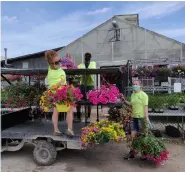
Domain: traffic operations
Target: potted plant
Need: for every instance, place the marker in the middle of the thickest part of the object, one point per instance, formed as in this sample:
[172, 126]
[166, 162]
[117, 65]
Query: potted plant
[151, 103]
[151, 148]
[158, 103]
[163, 73]
[101, 132]
[21, 95]
[173, 100]
[134, 73]
[178, 71]
[67, 62]
[103, 95]
[182, 98]
[143, 71]
[114, 114]
[154, 71]
[60, 96]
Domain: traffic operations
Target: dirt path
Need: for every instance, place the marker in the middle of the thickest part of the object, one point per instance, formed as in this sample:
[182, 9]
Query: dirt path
[105, 158]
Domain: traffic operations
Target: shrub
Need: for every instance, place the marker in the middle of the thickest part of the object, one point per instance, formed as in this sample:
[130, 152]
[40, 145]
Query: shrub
[178, 71]
[173, 100]
[156, 101]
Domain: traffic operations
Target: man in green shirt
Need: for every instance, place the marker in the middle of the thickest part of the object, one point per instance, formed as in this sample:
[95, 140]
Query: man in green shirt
[87, 82]
[139, 104]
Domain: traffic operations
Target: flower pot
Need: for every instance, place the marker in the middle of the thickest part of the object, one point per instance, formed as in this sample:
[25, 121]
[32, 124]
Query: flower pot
[158, 110]
[174, 108]
[62, 108]
[104, 139]
[150, 110]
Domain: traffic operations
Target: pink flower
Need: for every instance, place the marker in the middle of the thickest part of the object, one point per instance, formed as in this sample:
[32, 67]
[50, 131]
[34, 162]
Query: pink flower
[104, 95]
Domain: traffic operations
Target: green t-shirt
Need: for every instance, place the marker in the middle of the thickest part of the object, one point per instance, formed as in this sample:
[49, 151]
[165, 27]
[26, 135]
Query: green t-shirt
[56, 76]
[89, 79]
[139, 101]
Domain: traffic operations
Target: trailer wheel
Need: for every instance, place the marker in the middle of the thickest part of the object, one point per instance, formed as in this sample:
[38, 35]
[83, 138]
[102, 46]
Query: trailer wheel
[44, 153]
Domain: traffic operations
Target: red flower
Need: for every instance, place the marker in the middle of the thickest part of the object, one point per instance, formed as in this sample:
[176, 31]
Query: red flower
[10, 100]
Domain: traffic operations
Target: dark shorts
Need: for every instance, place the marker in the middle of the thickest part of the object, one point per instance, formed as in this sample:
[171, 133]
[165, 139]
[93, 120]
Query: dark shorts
[85, 90]
[137, 125]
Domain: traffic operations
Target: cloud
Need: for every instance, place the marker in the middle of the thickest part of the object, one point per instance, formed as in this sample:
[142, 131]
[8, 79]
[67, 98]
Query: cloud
[156, 9]
[51, 34]
[37, 33]
[10, 19]
[98, 11]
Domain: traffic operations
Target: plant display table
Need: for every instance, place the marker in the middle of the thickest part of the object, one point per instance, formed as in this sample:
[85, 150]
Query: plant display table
[179, 114]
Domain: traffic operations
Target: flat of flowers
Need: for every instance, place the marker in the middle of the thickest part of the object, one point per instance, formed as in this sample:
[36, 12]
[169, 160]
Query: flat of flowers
[32, 129]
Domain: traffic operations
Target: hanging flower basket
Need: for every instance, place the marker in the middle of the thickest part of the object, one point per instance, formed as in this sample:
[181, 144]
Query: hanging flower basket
[152, 148]
[101, 133]
[178, 71]
[60, 96]
[105, 94]
[143, 71]
[163, 73]
[67, 62]
[62, 108]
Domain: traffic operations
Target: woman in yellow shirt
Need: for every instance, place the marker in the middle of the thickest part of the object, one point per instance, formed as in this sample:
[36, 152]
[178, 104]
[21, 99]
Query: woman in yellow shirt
[139, 104]
[57, 76]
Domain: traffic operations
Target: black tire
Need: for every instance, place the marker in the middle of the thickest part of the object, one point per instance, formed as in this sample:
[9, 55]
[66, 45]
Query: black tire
[44, 153]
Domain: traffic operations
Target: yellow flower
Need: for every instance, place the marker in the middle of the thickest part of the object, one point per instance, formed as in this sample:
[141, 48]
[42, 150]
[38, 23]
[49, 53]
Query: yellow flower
[46, 109]
[42, 98]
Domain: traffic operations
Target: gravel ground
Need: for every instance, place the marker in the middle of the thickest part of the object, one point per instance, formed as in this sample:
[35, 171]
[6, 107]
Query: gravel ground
[104, 158]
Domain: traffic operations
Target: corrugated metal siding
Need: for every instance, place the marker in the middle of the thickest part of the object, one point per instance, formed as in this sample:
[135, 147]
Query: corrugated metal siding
[136, 44]
[39, 62]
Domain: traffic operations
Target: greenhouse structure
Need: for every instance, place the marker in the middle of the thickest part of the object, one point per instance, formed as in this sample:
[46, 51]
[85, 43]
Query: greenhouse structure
[120, 39]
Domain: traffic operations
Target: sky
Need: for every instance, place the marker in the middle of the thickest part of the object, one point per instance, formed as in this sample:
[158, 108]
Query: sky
[29, 27]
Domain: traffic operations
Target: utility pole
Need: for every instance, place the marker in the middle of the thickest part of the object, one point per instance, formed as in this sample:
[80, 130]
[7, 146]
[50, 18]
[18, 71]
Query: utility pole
[5, 51]
[6, 61]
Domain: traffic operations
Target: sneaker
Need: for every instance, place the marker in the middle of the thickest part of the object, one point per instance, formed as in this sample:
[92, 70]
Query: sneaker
[129, 156]
[88, 120]
[57, 133]
[70, 132]
[143, 159]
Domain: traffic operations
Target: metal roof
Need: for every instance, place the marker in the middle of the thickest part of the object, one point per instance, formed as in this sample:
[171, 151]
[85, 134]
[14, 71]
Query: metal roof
[27, 56]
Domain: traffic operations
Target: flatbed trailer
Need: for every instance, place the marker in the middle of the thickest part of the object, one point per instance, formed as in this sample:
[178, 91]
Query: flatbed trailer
[17, 129]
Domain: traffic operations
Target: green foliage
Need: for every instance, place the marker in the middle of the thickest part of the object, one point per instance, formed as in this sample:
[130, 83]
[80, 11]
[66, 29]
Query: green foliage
[149, 144]
[156, 101]
[21, 95]
[151, 101]
[4, 96]
[181, 97]
[164, 72]
[173, 100]
[178, 71]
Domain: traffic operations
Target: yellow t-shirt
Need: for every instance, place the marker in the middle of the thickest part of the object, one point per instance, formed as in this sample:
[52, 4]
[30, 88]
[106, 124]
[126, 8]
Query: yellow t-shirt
[139, 101]
[56, 76]
[89, 79]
